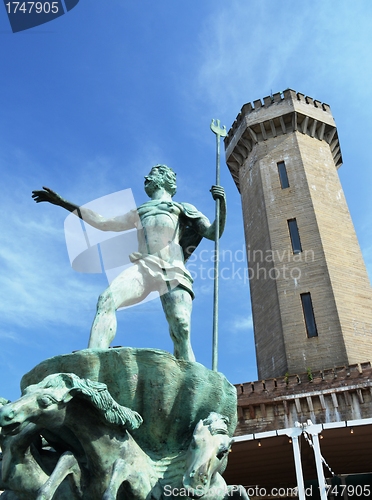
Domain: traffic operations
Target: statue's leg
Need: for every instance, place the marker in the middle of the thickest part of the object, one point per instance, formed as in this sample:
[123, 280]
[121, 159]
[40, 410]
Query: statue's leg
[2, 484]
[116, 480]
[177, 305]
[66, 465]
[137, 477]
[129, 288]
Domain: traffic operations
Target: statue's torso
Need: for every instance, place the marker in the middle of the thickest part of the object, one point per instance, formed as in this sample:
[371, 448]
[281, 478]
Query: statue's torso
[158, 226]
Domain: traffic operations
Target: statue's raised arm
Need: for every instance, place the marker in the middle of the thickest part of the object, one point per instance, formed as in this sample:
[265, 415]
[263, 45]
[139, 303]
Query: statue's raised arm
[120, 223]
[47, 194]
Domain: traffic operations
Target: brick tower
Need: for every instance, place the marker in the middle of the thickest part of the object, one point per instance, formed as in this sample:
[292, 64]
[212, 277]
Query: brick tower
[311, 296]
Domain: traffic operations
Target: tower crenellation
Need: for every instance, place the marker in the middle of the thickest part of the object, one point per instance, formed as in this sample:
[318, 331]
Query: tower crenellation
[273, 101]
[276, 115]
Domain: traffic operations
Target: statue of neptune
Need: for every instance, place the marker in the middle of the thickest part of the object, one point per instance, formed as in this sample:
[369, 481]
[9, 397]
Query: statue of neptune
[168, 232]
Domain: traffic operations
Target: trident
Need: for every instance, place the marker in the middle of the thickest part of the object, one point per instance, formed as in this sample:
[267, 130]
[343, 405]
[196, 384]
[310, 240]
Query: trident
[220, 132]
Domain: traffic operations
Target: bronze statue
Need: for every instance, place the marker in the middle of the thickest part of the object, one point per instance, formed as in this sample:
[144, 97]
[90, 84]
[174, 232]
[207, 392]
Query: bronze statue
[168, 232]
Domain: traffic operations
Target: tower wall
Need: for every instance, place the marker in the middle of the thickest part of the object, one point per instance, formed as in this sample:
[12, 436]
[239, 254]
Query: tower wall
[301, 132]
[345, 265]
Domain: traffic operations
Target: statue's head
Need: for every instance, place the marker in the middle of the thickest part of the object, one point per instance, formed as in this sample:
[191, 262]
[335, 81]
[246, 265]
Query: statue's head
[160, 176]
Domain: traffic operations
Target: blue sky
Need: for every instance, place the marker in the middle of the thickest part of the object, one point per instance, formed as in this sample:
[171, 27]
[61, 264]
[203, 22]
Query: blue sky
[90, 101]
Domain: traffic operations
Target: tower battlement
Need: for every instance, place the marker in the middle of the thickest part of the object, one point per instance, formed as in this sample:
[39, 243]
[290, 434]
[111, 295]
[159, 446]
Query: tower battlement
[288, 96]
[275, 116]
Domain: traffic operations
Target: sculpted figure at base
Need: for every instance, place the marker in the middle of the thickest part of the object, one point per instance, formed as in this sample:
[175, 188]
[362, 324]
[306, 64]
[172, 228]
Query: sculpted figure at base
[206, 460]
[76, 414]
[168, 232]
[102, 459]
[29, 472]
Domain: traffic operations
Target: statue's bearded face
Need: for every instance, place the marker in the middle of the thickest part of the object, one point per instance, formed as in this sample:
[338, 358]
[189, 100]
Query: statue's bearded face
[159, 177]
[153, 181]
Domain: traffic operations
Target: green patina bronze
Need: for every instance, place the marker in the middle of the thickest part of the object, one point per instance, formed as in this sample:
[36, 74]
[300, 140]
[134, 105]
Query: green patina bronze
[168, 232]
[122, 423]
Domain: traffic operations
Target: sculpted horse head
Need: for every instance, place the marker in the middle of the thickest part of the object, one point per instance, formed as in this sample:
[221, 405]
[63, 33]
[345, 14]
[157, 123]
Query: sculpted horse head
[45, 404]
[207, 456]
[53, 405]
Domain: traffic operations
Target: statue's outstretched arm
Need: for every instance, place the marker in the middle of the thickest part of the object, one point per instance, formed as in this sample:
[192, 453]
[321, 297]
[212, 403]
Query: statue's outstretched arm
[203, 226]
[120, 223]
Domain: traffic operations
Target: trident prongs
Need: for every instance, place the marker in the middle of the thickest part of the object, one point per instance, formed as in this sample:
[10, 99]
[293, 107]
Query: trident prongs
[217, 129]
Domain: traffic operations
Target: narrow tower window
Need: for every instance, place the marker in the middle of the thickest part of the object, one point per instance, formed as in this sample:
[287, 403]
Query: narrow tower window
[284, 182]
[308, 310]
[295, 236]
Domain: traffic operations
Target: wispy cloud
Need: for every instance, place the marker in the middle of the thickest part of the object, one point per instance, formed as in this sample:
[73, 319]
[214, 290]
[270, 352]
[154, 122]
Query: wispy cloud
[237, 55]
[10, 335]
[248, 49]
[243, 323]
[38, 288]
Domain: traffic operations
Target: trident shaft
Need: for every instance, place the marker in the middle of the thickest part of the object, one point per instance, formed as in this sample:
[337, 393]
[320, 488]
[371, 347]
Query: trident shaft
[219, 132]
